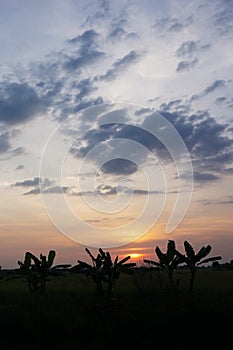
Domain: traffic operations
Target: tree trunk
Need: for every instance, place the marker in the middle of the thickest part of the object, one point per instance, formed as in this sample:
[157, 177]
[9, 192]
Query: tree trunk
[170, 275]
[192, 280]
[99, 289]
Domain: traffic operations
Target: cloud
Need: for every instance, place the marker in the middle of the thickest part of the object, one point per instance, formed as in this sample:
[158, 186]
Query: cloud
[186, 65]
[142, 111]
[87, 39]
[107, 190]
[5, 144]
[224, 17]
[6, 150]
[220, 99]
[18, 151]
[119, 166]
[226, 200]
[187, 49]
[177, 106]
[117, 33]
[40, 186]
[50, 190]
[19, 167]
[19, 102]
[217, 84]
[87, 53]
[120, 65]
[206, 140]
[124, 132]
[173, 24]
[27, 183]
[205, 177]
[190, 48]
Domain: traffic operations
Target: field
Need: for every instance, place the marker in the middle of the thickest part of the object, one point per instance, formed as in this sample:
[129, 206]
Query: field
[144, 313]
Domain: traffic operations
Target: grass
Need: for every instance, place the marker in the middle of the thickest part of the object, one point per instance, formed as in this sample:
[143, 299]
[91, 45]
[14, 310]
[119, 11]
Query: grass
[144, 313]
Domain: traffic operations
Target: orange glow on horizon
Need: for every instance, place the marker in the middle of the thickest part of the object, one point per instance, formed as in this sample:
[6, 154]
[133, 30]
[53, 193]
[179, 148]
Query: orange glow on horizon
[135, 255]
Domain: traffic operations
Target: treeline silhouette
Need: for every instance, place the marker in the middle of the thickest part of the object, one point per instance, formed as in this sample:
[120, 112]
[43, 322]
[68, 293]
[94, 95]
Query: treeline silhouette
[105, 270]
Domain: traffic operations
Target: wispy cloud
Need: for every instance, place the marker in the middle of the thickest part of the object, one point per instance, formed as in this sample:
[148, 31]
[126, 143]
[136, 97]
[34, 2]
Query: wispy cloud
[217, 84]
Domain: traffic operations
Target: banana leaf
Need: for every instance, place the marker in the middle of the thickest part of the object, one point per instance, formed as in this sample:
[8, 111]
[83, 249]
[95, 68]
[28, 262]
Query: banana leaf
[214, 258]
[189, 250]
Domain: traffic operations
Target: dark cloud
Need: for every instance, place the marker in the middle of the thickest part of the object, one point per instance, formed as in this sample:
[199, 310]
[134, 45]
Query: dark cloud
[28, 183]
[119, 166]
[88, 38]
[176, 106]
[41, 186]
[90, 57]
[228, 171]
[18, 151]
[5, 144]
[113, 190]
[173, 24]
[190, 48]
[224, 17]
[120, 65]
[226, 200]
[19, 167]
[186, 65]
[113, 131]
[87, 53]
[220, 99]
[88, 103]
[84, 87]
[217, 84]
[117, 33]
[187, 49]
[36, 190]
[206, 140]
[205, 177]
[6, 150]
[19, 102]
[50, 190]
[142, 111]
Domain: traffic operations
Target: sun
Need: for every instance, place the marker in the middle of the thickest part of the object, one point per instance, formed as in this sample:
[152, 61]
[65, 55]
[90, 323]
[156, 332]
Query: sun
[135, 255]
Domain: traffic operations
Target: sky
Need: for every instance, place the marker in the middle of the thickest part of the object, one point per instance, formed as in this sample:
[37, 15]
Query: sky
[115, 127]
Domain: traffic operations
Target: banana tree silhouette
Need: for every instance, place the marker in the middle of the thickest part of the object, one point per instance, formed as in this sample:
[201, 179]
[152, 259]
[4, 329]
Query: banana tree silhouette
[167, 261]
[112, 270]
[193, 260]
[93, 270]
[103, 269]
[37, 270]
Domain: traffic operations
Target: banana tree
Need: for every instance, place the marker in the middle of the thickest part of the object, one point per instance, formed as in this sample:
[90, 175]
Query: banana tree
[37, 270]
[94, 269]
[193, 260]
[103, 269]
[167, 261]
[112, 270]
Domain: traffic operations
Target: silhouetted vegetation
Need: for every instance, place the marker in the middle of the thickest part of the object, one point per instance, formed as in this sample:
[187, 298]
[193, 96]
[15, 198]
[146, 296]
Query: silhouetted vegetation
[37, 270]
[193, 260]
[144, 300]
[103, 269]
[170, 260]
[167, 261]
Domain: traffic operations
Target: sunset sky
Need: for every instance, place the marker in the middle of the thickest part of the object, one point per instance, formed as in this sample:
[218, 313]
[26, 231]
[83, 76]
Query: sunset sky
[116, 127]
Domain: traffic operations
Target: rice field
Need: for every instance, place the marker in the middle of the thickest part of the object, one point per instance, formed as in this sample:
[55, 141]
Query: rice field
[143, 313]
